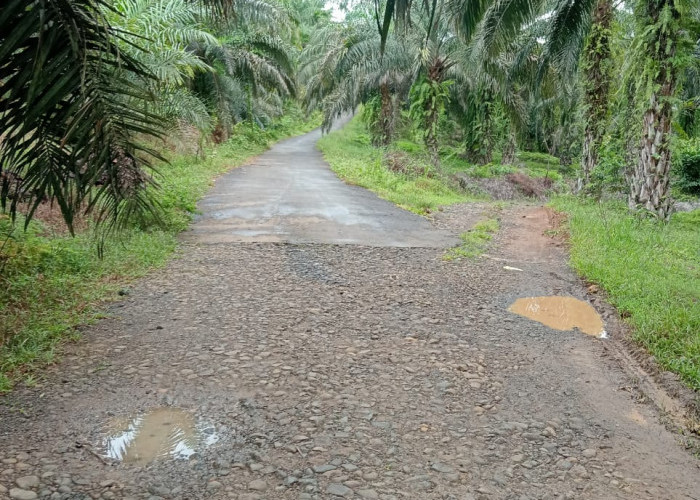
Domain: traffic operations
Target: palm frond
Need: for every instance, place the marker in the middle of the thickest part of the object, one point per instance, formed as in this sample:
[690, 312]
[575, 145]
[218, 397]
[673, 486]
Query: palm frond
[65, 90]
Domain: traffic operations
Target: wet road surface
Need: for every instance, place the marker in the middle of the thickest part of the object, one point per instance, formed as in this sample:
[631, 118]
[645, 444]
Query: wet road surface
[290, 194]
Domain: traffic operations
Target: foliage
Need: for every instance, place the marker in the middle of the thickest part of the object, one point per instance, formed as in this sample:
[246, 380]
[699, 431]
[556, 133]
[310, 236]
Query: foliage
[352, 157]
[540, 158]
[686, 166]
[428, 101]
[655, 290]
[72, 105]
[609, 174]
[86, 83]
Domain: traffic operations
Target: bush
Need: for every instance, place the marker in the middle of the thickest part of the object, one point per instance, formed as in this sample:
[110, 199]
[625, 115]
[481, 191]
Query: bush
[686, 166]
[608, 175]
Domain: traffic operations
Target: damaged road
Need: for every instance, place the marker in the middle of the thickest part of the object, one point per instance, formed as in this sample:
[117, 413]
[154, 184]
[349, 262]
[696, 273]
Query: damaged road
[310, 342]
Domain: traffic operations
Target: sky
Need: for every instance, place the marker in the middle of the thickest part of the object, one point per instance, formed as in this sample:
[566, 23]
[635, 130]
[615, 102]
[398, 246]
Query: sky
[334, 7]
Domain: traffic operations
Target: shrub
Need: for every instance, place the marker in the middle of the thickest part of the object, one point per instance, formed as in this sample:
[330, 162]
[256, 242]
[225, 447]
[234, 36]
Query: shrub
[609, 173]
[686, 166]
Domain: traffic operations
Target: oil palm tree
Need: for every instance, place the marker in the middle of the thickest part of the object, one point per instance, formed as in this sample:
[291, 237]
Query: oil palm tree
[597, 74]
[77, 92]
[159, 35]
[344, 68]
[252, 73]
[660, 34]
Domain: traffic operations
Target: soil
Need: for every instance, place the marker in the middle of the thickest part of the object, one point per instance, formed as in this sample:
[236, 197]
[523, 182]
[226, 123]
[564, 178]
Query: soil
[367, 370]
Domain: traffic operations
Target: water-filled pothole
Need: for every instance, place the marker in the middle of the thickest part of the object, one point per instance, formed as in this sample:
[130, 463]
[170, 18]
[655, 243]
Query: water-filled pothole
[159, 434]
[561, 313]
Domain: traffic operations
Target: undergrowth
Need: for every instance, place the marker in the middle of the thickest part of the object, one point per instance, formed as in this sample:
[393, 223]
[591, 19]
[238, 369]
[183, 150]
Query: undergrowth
[52, 282]
[650, 271]
[351, 156]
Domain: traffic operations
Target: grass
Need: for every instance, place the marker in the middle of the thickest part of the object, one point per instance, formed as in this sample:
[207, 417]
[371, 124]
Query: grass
[651, 272]
[356, 161]
[52, 283]
[474, 242]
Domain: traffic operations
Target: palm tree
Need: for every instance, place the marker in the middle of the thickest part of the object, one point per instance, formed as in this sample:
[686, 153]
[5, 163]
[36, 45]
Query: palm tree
[342, 68]
[659, 39]
[596, 82]
[252, 72]
[78, 91]
[159, 35]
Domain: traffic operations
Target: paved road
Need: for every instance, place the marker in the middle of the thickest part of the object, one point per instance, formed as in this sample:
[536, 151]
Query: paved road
[290, 194]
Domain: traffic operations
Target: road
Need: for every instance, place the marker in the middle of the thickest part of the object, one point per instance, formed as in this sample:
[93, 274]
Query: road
[310, 342]
[289, 194]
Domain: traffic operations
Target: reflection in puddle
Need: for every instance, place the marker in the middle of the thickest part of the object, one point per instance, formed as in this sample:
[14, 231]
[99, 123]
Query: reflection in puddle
[561, 313]
[160, 433]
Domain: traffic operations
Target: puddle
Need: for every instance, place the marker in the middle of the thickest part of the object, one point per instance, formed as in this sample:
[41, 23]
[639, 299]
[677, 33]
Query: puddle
[159, 434]
[561, 313]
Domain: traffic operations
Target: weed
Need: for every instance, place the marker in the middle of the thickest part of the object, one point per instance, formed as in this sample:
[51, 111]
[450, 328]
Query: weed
[474, 242]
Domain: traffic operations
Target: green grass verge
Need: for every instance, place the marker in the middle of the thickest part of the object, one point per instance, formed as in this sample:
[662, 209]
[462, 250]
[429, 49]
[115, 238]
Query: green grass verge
[53, 283]
[651, 272]
[474, 242]
[356, 161]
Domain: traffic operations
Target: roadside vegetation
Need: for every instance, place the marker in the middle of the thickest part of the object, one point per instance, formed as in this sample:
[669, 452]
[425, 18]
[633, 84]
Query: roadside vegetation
[656, 292]
[402, 176]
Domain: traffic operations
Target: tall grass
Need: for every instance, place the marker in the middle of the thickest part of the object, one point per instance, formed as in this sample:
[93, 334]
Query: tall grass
[651, 272]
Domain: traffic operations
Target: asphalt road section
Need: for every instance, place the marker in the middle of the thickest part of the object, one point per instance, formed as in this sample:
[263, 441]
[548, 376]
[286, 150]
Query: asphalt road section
[289, 194]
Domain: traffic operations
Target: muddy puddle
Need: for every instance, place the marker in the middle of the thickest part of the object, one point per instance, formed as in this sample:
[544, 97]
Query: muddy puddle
[561, 313]
[162, 433]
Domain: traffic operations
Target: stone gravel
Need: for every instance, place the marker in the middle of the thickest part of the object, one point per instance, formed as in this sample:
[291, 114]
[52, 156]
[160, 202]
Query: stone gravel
[334, 371]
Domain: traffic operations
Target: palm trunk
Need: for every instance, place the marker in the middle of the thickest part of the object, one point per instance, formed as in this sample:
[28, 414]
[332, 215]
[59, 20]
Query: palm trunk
[431, 141]
[386, 115]
[650, 179]
[432, 111]
[589, 156]
[509, 150]
[597, 86]
[488, 129]
[649, 182]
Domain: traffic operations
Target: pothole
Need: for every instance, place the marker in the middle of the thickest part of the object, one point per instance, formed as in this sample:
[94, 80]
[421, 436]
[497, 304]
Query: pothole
[162, 433]
[561, 313]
